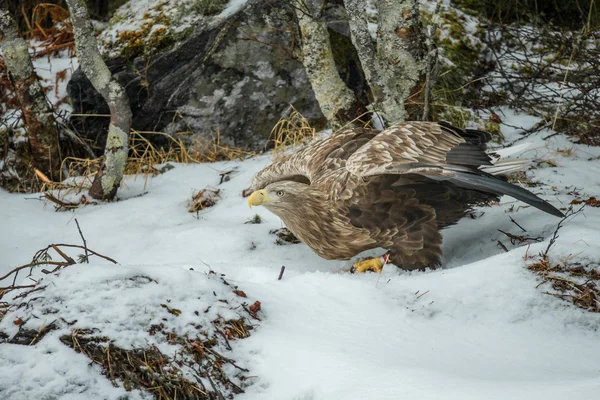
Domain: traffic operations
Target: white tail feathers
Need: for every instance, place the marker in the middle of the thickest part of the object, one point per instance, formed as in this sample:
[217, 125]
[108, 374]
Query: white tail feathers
[503, 167]
[509, 151]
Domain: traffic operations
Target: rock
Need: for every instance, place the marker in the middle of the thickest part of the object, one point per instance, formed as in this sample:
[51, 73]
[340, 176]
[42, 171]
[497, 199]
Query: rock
[233, 78]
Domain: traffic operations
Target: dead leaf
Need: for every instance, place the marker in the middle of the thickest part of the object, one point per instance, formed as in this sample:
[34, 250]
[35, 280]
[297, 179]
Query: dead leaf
[495, 118]
[255, 307]
[173, 311]
[198, 348]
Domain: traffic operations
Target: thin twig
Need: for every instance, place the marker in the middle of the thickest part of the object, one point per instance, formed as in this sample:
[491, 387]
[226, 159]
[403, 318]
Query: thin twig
[555, 236]
[85, 243]
[63, 255]
[503, 246]
[514, 239]
[513, 221]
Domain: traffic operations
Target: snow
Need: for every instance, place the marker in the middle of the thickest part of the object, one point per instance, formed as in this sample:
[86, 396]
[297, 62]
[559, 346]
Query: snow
[232, 7]
[477, 329]
[64, 374]
[480, 328]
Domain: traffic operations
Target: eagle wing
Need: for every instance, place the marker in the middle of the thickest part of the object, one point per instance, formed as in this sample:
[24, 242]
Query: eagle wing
[406, 148]
[440, 152]
[321, 162]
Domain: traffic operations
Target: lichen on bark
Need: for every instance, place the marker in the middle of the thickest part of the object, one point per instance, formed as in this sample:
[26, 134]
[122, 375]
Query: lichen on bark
[395, 67]
[401, 53]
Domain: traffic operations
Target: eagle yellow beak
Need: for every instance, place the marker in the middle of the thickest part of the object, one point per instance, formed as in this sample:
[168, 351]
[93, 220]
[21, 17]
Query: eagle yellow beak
[258, 198]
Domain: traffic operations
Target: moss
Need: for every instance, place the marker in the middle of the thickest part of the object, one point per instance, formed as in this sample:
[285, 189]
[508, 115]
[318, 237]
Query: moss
[453, 84]
[457, 116]
[494, 128]
[153, 35]
[25, 180]
[145, 41]
[208, 7]
[3, 139]
[457, 82]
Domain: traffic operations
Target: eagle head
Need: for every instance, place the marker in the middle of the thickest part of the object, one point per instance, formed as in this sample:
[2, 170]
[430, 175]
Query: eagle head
[281, 195]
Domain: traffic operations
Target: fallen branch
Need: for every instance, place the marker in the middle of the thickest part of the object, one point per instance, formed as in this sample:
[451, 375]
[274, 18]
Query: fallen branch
[514, 239]
[43, 257]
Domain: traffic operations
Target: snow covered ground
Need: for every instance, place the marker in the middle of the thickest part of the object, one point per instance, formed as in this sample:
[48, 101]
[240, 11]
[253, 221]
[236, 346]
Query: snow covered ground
[478, 329]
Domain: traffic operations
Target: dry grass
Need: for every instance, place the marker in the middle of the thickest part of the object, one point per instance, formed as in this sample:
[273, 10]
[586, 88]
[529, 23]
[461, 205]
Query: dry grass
[143, 155]
[291, 132]
[576, 283]
[295, 131]
[145, 159]
[56, 38]
[591, 202]
[150, 370]
[571, 281]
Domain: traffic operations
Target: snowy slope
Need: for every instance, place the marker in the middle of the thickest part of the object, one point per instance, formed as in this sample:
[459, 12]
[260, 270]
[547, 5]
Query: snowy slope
[478, 329]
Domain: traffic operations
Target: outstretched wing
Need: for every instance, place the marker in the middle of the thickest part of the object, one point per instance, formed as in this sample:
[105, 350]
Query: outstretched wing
[406, 148]
[438, 151]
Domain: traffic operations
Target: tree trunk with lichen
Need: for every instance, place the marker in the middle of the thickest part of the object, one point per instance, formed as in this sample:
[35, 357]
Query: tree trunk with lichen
[108, 179]
[337, 101]
[396, 67]
[38, 117]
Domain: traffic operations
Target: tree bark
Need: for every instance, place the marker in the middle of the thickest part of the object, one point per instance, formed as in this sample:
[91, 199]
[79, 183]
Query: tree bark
[337, 101]
[395, 69]
[37, 112]
[401, 51]
[365, 48]
[108, 178]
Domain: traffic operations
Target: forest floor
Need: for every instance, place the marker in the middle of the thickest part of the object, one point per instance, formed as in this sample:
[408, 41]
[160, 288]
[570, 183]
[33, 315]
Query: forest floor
[485, 326]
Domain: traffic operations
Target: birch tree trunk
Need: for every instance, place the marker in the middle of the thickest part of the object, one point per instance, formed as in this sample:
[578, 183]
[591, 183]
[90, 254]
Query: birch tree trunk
[365, 48]
[337, 101]
[108, 178]
[395, 69]
[37, 112]
[401, 51]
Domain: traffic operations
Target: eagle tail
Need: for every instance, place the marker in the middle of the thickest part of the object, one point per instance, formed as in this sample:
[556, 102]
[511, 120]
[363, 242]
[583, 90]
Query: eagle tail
[503, 167]
[491, 184]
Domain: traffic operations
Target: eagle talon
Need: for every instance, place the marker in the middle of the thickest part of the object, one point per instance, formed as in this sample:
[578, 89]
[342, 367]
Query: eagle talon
[372, 264]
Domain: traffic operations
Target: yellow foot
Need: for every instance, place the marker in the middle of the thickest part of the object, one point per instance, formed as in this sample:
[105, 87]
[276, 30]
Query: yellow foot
[372, 264]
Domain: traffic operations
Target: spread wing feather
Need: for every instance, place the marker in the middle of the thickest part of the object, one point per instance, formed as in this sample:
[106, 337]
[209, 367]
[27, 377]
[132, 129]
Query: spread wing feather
[440, 152]
[317, 160]
[399, 146]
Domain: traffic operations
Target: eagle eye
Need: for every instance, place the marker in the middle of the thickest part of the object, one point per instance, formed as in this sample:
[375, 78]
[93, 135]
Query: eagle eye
[280, 193]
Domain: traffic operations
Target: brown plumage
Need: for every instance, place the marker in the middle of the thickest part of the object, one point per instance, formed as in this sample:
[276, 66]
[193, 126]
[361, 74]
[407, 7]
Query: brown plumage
[362, 189]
